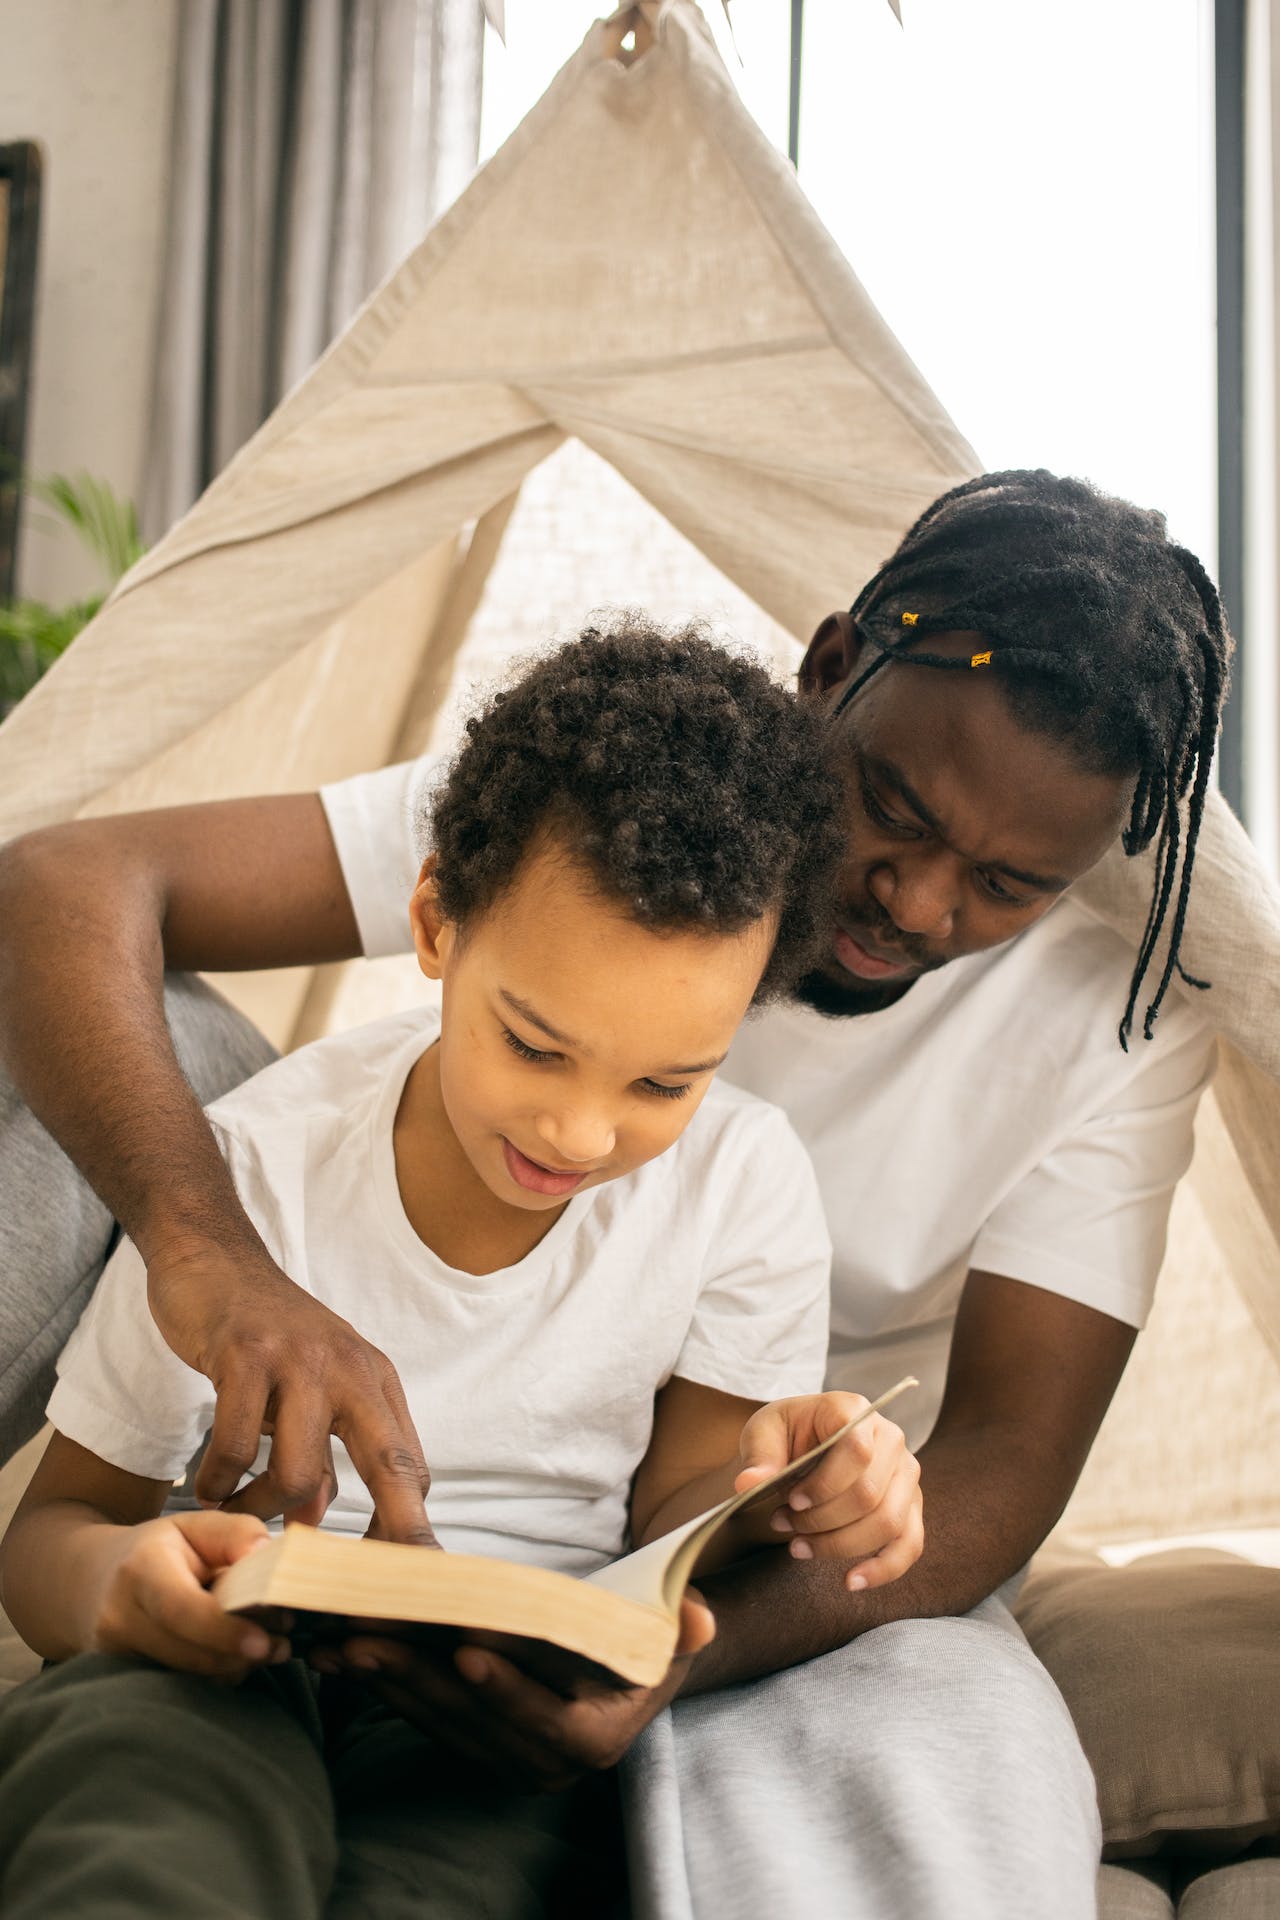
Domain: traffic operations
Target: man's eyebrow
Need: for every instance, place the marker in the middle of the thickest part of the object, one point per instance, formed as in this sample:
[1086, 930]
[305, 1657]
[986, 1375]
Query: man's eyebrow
[526, 1012]
[1038, 882]
[892, 776]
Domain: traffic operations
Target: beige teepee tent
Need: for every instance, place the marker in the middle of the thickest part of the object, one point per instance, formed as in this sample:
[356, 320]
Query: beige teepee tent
[634, 280]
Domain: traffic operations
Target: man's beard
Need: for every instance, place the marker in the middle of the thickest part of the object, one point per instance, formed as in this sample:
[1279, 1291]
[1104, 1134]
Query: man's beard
[838, 994]
[838, 999]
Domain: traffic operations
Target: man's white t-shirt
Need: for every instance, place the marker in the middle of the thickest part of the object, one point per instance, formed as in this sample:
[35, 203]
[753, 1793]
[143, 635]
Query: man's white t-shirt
[532, 1388]
[988, 1120]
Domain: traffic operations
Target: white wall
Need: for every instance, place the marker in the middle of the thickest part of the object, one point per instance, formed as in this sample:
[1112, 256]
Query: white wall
[91, 81]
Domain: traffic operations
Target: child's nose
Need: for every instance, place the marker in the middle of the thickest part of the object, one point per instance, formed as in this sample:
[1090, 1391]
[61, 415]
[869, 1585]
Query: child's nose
[578, 1137]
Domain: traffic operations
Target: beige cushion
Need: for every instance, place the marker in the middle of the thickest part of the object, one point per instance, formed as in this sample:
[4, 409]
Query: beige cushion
[1125, 1894]
[1249, 1890]
[1171, 1669]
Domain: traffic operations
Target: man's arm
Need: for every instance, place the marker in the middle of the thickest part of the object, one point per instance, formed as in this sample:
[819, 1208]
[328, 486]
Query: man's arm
[1030, 1378]
[90, 916]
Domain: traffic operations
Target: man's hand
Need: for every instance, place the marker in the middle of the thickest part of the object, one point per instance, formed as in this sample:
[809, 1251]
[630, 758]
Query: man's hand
[861, 1502]
[508, 1730]
[284, 1364]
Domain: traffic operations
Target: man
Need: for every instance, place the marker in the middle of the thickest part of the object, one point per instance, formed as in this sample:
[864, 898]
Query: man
[1035, 671]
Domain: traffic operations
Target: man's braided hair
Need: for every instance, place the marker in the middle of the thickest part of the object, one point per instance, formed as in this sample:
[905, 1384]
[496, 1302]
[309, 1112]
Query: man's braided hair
[1106, 635]
[690, 786]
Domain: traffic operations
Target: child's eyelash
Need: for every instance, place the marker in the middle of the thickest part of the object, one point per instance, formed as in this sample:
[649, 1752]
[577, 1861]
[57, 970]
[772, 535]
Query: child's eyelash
[526, 1052]
[522, 1047]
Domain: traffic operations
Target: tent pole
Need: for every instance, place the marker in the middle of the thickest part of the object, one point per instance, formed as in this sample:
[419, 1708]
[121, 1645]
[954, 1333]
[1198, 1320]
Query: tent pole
[793, 117]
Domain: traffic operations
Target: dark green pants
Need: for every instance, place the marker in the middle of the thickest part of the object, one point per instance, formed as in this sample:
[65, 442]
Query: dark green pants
[129, 1791]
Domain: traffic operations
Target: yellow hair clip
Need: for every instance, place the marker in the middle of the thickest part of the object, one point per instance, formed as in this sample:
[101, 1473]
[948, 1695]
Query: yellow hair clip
[980, 660]
[909, 619]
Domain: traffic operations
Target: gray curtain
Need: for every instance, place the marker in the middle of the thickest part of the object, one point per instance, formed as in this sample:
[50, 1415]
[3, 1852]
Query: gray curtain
[313, 143]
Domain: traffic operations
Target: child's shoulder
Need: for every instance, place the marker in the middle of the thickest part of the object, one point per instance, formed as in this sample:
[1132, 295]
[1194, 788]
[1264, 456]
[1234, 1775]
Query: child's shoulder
[739, 1177]
[734, 1126]
[727, 1105]
[336, 1076]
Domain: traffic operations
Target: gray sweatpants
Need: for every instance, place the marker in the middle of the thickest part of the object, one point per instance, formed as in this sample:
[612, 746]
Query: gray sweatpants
[928, 1771]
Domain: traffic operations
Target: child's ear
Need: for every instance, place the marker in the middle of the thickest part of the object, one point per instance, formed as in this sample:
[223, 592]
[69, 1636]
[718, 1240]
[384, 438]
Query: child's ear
[432, 933]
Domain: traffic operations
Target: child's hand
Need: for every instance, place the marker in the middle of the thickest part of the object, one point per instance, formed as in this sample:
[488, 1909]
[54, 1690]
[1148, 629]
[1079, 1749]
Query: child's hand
[155, 1597]
[861, 1501]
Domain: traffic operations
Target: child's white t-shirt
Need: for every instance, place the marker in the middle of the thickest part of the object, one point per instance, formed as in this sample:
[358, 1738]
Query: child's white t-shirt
[532, 1388]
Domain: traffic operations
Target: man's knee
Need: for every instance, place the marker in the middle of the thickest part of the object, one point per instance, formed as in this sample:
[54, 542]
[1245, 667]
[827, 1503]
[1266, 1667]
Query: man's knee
[973, 1667]
[950, 1688]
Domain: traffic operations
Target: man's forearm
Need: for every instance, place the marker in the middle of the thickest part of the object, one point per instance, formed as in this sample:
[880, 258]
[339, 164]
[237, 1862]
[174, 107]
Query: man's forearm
[985, 1512]
[83, 1033]
[91, 913]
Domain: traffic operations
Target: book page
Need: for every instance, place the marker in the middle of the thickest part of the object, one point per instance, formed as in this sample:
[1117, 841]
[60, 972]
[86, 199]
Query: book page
[643, 1575]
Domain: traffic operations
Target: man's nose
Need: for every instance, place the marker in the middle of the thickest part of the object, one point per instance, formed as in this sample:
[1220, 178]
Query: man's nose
[577, 1135]
[921, 895]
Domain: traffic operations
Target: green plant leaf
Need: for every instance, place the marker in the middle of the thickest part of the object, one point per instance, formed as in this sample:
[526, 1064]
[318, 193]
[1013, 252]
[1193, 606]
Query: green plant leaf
[33, 635]
[49, 631]
[106, 524]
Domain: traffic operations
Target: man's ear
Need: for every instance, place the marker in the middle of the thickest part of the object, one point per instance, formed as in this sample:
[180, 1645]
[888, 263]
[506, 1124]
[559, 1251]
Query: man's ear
[432, 933]
[831, 656]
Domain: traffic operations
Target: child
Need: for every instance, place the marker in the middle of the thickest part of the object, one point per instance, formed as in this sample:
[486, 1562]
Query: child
[589, 1263]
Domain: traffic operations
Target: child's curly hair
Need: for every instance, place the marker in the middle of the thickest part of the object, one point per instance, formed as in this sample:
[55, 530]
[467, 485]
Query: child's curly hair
[690, 785]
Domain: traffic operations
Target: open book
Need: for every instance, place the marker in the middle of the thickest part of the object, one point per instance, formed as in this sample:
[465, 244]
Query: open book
[624, 1619]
